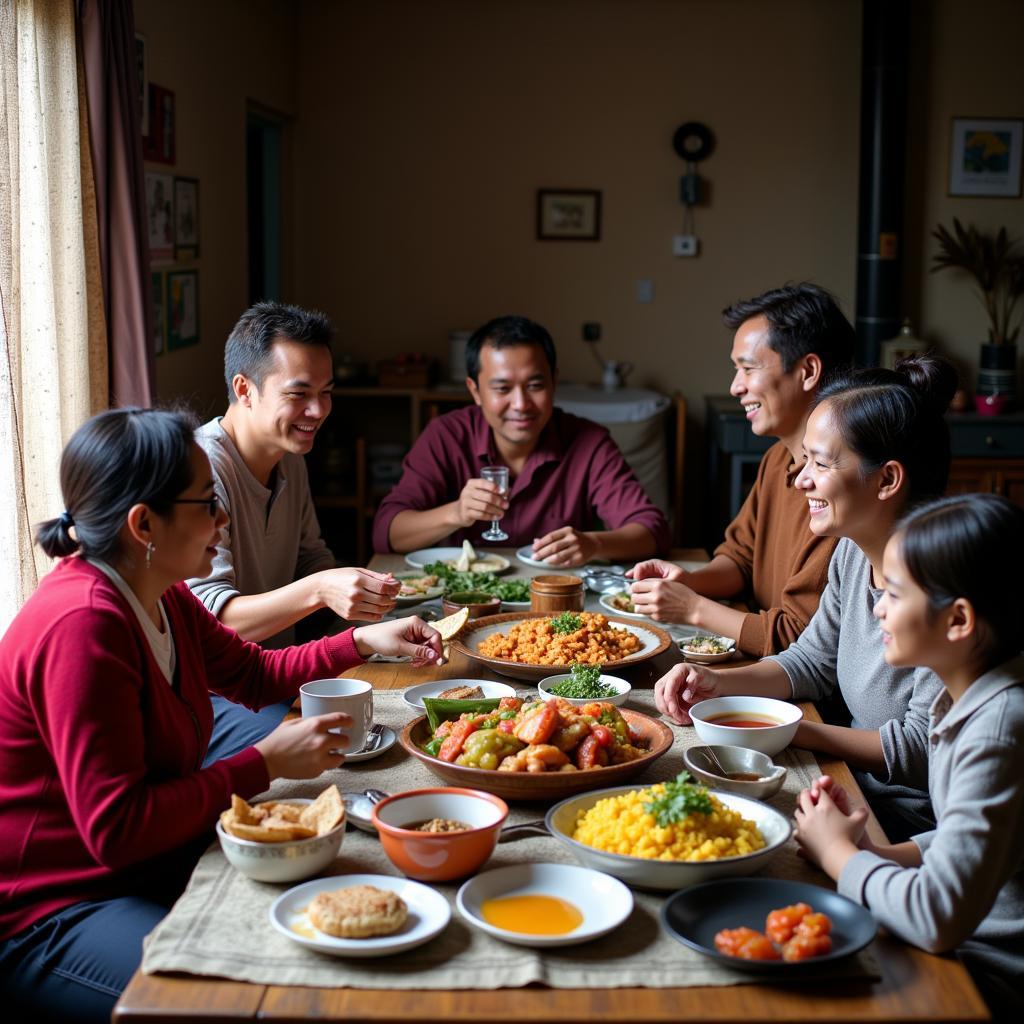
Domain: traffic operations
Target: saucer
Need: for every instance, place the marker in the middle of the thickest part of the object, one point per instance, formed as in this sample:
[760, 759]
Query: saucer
[387, 741]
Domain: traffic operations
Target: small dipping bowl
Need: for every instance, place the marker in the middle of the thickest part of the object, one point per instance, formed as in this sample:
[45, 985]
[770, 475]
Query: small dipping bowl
[739, 760]
[439, 856]
[781, 716]
[478, 602]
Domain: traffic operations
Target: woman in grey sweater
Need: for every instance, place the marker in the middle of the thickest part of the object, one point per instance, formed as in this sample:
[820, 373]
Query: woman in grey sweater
[875, 444]
[961, 885]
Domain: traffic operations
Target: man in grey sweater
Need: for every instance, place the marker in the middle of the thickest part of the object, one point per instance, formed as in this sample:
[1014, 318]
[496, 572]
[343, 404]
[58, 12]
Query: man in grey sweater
[272, 567]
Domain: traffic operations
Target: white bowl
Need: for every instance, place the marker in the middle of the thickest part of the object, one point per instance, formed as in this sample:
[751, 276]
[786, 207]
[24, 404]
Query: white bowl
[619, 698]
[769, 739]
[413, 697]
[708, 659]
[604, 902]
[290, 861]
[669, 875]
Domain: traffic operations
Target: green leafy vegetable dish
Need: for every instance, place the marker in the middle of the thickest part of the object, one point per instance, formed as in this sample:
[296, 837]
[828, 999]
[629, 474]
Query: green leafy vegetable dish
[487, 582]
[584, 684]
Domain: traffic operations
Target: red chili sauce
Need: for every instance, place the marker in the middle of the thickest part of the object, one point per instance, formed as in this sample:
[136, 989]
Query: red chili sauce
[743, 720]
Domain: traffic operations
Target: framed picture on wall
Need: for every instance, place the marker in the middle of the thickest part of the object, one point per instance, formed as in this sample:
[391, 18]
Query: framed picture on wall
[156, 279]
[158, 143]
[569, 214]
[160, 215]
[985, 158]
[186, 218]
[182, 308]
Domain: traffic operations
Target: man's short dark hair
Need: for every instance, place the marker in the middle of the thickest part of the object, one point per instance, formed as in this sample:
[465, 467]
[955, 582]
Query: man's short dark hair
[504, 332]
[249, 346]
[802, 318]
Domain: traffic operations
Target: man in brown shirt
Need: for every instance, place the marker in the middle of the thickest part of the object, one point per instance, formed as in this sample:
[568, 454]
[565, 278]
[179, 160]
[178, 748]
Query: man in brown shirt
[788, 341]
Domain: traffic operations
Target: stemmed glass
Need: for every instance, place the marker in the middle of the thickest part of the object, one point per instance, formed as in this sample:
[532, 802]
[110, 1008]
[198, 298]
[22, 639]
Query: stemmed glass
[497, 475]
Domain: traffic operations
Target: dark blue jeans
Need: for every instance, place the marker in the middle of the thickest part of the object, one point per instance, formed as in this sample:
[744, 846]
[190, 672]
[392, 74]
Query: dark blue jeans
[236, 727]
[72, 965]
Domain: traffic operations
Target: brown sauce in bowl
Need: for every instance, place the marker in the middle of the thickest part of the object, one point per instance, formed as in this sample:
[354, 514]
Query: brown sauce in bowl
[438, 825]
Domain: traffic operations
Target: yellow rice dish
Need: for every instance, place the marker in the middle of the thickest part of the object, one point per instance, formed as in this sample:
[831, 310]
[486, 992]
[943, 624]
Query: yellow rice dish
[621, 824]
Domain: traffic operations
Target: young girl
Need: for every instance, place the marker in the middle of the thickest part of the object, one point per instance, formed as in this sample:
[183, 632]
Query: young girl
[953, 602]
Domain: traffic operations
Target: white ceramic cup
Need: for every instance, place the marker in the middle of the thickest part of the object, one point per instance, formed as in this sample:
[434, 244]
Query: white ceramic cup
[353, 696]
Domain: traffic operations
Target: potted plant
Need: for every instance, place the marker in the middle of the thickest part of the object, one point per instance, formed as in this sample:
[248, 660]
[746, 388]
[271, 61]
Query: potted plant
[997, 267]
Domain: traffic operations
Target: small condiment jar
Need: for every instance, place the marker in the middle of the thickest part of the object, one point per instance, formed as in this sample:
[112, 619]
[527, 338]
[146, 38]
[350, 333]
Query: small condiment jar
[556, 594]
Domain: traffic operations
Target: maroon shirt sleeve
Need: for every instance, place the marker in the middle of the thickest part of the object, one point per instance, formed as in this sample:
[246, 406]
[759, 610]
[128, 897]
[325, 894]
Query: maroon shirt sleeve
[433, 473]
[617, 495]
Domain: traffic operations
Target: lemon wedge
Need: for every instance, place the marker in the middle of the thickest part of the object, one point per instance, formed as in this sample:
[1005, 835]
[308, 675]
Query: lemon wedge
[450, 625]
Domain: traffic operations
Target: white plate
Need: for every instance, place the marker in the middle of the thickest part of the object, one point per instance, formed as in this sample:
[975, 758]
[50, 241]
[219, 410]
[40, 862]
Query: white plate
[425, 556]
[604, 901]
[525, 555]
[405, 600]
[606, 604]
[708, 659]
[429, 913]
[414, 695]
[387, 741]
[618, 698]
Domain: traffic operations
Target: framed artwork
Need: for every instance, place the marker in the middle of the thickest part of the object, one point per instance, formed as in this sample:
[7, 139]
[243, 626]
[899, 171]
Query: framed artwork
[569, 214]
[160, 215]
[156, 285]
[143, 83]
[182, 308]
[186, 218]
[158, 143]
[985, 159]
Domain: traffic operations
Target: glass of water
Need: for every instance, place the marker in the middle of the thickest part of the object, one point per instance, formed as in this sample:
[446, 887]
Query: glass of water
[497, 475]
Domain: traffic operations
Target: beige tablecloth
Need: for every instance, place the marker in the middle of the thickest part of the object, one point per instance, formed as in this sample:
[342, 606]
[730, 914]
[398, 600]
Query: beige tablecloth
[220, 925]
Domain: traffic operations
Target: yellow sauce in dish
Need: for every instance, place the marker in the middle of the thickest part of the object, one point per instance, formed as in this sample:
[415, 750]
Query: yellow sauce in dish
[532, 914]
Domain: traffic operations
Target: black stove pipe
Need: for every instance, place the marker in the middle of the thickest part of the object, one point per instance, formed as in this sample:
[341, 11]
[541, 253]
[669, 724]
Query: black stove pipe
[883, 120]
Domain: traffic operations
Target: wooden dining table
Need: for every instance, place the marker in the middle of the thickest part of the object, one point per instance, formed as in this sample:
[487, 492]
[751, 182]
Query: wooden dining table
[912, 985]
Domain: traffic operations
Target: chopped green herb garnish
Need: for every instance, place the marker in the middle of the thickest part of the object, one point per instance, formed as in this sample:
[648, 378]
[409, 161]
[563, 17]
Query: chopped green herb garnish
[680, 799]
[566, 622]
[584, 684]
[507, 590]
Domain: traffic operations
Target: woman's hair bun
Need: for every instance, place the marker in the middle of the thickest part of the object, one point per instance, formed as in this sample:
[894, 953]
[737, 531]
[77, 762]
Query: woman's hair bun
[934, 379]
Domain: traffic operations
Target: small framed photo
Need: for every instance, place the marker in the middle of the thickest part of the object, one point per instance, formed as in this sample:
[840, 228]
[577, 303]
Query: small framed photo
[186, 218]
[985, 158]
[160, 215]
[156, 279]
[569, 214]
[182, 308]
[158, 144]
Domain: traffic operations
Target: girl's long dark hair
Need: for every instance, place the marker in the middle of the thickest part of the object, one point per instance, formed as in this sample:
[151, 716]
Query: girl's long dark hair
[971, 546]
[115, 460]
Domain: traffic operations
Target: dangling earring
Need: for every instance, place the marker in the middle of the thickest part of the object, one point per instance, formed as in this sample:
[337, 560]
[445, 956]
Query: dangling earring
[150, 548]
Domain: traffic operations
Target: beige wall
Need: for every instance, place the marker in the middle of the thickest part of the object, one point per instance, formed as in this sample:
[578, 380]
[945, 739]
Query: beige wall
[967, 64]
[215, 57]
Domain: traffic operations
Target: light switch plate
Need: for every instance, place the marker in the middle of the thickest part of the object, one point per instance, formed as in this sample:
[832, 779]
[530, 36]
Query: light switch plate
[684, 245]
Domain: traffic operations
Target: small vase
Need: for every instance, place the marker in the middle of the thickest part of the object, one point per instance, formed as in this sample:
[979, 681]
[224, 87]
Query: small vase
[997, 372]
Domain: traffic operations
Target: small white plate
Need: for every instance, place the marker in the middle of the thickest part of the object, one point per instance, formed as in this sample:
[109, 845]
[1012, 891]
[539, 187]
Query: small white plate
[413, 697]
[425, 556]
[405, 600]
[606, 603]
[618, 699]
[517, 606]
[387, 741]
[525, 555]
[708, 659]
[429, 914]
[603, 901]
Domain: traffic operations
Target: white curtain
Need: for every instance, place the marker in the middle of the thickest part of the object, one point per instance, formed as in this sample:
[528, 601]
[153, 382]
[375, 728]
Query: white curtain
[53, 361]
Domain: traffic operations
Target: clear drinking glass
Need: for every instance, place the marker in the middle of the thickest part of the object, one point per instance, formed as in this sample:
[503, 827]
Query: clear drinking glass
[497, 475]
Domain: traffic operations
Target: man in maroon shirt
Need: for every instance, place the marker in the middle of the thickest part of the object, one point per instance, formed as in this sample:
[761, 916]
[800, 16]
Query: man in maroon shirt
[571, 494]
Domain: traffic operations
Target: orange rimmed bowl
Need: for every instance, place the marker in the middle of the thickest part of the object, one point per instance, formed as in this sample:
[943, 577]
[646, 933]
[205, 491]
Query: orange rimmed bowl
[439, 856]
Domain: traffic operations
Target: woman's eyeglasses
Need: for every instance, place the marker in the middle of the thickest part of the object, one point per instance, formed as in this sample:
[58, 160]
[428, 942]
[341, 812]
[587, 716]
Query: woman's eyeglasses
[212, 503]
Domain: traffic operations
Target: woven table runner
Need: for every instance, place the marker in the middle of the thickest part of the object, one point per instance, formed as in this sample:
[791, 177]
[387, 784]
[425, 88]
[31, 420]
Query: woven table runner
[220, 926]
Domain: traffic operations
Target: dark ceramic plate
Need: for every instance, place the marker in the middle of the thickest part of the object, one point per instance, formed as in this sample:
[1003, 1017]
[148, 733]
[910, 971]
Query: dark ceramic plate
[694, 916]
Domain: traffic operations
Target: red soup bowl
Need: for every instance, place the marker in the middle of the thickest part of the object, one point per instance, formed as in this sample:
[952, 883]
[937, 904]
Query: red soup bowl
[439, 856]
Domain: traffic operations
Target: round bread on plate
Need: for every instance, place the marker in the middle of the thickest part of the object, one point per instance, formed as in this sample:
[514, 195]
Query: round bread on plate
[358, 912]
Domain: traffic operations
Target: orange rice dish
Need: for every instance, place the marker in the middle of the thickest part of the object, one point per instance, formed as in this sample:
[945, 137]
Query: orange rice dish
[534, 642]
